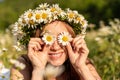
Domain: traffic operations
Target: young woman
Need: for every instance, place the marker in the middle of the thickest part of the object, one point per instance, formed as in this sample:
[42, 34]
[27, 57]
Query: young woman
[56, 46]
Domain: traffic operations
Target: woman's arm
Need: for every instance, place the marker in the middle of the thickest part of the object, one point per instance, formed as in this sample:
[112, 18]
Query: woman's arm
[88, 71]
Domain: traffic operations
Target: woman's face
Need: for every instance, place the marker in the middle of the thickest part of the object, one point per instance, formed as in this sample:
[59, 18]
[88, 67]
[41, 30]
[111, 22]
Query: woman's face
[57, 54]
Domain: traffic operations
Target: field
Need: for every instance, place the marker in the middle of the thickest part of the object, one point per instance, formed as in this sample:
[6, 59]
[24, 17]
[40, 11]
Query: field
[103, 43]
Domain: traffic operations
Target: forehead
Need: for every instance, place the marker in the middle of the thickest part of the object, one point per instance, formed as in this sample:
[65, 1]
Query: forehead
[56, 27]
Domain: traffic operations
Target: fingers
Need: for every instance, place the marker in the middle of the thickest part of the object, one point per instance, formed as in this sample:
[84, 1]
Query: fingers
[35, 44]
[76, 39]
[78, 43]
[70, 50]
[37, 40]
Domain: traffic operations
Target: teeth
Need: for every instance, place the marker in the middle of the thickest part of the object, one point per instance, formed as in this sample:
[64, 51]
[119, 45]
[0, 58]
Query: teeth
[53, 54]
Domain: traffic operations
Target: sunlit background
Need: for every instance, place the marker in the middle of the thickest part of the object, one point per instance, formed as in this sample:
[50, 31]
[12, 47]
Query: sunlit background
[103, 33]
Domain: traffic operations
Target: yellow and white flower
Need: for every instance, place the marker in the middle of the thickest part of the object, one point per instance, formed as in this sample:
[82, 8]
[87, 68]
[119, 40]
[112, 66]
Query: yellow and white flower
[45, 15]
[37, 16]
[84, 23]
[43, 6]
[79, 18]
[31, 23]
[71, 15]
[64, 38]
[48, 38]
[22, 21]
[28, 14]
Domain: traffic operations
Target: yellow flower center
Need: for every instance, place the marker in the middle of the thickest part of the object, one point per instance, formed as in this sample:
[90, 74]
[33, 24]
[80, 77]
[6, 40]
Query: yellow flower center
[78, 18]
[37, 16]
[44, 16]
[49, 38]
[53, 9]
[31, 22]
[71, 15]
[30, 15]
[65, 38]
[23, 21]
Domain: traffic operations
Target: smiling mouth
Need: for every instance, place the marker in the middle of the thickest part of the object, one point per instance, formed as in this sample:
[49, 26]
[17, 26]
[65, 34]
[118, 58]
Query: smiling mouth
[55, 56]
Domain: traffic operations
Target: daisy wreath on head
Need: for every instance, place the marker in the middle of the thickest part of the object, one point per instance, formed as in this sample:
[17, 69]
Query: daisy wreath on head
[33, 19]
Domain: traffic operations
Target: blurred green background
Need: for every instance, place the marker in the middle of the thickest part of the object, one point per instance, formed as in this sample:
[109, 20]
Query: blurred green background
[93, 10]
[103, 33]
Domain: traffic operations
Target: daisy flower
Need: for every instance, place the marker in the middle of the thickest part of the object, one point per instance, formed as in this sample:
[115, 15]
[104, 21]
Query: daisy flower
[84, 23]
[84, 26]
[64, 38]
[43, 6]
[28, 14]
[71, 14]
[37, 16]
[55, 8]
[45, 15]
[31, 23]
[22, 21]
[78, 18]
[48, 38]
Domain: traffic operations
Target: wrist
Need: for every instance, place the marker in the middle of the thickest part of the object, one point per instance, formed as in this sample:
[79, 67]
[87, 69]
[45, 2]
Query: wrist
[37, 74]
[82, 68]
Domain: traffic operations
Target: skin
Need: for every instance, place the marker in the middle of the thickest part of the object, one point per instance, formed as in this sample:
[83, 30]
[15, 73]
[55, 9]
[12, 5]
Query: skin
[76, 51]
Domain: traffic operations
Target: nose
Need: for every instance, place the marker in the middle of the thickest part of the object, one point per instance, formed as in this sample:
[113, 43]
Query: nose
[55, 46]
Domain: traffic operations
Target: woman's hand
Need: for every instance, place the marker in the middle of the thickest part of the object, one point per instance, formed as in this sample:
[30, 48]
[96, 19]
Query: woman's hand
[78, 52]
[37, 53]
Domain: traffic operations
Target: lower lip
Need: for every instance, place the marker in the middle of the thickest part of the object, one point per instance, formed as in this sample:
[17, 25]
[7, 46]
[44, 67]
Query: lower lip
[55, 56]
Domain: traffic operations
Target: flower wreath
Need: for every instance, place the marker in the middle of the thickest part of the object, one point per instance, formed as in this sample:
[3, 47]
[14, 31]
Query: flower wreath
[34, 19]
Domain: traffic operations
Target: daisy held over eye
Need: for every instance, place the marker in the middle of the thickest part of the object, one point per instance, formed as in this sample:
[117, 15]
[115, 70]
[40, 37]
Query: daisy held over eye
[56, 47]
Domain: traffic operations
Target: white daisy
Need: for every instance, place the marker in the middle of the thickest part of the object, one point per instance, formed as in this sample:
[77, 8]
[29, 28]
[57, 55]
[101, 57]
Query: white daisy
[37, 16]
[61, 13]
[78, 19]
[84, 23]
[84, 26]
[48, 38]
[31, 23]
[15, 29]
[43, 6]
[28, 14]
[22, 21]
[45, 15]
[71, 14]
[55, 8]
[64, 38]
